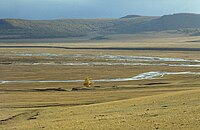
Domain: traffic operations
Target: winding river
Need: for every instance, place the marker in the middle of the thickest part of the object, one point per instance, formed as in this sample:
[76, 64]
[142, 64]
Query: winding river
[142, 76]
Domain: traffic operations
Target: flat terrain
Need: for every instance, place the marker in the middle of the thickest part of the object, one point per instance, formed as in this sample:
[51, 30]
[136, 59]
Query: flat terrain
[170, 101]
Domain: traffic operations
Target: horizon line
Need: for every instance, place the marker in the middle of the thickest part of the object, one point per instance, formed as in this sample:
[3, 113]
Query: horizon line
[4, 18]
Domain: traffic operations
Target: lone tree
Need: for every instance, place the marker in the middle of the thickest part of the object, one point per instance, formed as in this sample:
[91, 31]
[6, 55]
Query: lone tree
[87, 82]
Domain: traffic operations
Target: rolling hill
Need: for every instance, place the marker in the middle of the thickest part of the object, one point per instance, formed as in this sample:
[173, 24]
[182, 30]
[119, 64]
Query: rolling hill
[171, 22]
[130, 24]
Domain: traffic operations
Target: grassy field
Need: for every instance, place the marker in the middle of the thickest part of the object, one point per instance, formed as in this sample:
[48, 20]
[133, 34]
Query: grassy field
[168, 102]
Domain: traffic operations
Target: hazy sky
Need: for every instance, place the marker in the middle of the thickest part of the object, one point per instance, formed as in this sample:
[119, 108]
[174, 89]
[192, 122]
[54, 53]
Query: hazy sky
[55, 9]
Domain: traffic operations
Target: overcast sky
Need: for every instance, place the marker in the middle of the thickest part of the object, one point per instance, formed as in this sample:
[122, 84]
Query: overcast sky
[56, 9]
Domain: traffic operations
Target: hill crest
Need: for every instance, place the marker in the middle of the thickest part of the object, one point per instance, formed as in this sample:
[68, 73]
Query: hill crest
[19, 28]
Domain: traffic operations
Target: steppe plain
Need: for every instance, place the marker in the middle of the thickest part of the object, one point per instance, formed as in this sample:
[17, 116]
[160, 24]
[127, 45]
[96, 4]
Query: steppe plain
[168, 101]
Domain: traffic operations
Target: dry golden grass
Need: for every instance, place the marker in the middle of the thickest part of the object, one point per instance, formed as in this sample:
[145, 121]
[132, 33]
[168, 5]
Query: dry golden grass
[179, 110]
[113, 105]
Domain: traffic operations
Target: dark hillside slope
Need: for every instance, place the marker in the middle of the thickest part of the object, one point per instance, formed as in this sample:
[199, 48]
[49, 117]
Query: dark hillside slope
[18, 28]
[4, 24]
[170, 22]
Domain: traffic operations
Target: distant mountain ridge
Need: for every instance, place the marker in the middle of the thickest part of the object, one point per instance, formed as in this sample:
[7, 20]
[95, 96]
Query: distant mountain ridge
[19, 28]
[131, 16]
[173, 22]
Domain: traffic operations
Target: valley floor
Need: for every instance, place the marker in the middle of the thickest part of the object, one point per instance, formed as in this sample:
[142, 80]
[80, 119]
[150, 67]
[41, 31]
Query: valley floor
[163, 101]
